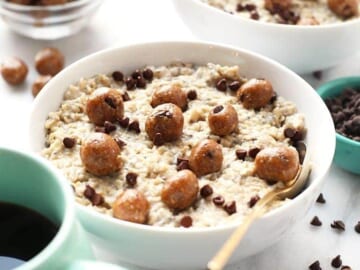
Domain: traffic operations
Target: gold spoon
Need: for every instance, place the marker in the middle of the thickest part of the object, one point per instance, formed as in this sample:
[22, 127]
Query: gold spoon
[289, 190]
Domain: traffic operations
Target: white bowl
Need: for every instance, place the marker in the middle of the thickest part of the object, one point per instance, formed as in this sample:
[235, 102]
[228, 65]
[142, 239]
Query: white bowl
[176, 248]
[301, 48]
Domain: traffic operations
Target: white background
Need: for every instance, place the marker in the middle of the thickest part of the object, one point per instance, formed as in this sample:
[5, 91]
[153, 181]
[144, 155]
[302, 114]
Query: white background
[120, 22]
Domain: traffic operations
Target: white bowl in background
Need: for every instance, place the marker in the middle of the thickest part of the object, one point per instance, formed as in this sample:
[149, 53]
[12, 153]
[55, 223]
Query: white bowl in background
[179, 248]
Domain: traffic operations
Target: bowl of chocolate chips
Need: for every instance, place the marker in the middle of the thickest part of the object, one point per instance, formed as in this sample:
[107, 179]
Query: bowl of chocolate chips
[342, 97]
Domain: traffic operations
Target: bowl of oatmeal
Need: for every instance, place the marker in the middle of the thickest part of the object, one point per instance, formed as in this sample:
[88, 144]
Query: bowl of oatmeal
[169, 151]
[299, 34]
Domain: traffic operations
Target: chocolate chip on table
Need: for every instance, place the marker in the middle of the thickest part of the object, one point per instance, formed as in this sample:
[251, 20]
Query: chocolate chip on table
[321, 199]
[253, 201]
[230, 207]
[130, 83]
[253, 152]
[357, 227]
[186, 221]
[206, 191]
[125, 96]
[241, 154]
[218, 200]
[192, 95]
[69, 142]
[338, 225]
[315, 266]
[221, 85]
[346, 267]
[118, 76]
[235, 85]
[124, 123]
[316, 221]
[317, 74]
[336, 262]
[131, 179]
[148, 74]
[134, 126]
[109, 127]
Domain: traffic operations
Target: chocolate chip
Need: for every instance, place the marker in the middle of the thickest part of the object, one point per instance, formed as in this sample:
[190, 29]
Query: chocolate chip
[320, 198]
[253, 201]
[140, 82]
[301, 149]
[239, 7]
[69, 142]
[89, 192]
[230, 207]
[357, 227]
[180, 159]
[254, 15]
[124, 123]
[273, 98]
[221, 85]
[130, 83]
[336, 262]
[131, 179]
[148, 74]
[119, 142]
[218, 200]
[109, 101]
[315, 266]
[218, 109]
[192, 95]
[136, 74]
[315, 221]
[91, 195]
[317, 74]
[125, 96]
[241, 154]
[253, 152]
[250, 7]
[289, 133]
[183, 165]
[346, 267]
[206, 191]
[158, 139]
[134, 126]
[118, 76]
[109, 127]
[97, 199]
[338, 225]
[186, 221]
[234, 86]
[298, 136]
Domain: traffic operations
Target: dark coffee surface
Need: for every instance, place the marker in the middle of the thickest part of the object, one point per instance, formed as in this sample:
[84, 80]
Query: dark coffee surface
[23, 234]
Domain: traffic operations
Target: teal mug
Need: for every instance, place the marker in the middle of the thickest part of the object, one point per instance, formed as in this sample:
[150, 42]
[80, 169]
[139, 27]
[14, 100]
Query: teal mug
[31, 188]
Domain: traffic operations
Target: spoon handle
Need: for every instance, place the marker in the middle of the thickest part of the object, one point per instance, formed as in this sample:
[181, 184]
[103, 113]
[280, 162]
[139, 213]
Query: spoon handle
[222, 256]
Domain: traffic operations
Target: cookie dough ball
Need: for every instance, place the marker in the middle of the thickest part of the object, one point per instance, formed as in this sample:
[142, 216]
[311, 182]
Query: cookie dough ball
[165, 124]
[39, 84]
[277, 163]
[223, 120]
[180, 191]
[255, 93]
[131, 205]
[344, 8]
[169, 94]
[275, 5]
[206, 157]
[49, 61]
[105, 104]
[14, 70]
[53, 2]
[100, 154]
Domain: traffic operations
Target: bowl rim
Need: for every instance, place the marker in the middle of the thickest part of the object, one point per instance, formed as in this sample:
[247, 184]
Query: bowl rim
[290, 27]
[116, 222]
[342, 82]
[30, 8]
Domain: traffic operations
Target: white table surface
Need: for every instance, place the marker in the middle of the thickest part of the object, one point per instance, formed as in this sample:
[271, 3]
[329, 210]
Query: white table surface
[127, 21]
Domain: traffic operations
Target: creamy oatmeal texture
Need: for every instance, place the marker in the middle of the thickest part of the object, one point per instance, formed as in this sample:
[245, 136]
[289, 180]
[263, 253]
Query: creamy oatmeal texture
[305, 9]
[155, 164]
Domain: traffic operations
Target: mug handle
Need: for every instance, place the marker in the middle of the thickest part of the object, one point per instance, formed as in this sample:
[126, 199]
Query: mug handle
[92, 265]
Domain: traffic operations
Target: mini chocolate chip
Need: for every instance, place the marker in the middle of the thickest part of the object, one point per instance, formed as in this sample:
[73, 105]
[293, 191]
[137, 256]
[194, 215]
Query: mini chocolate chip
[183, 165]
[180, 159]
[230, 207]
[186, 221]
[346, 267]
[124, 123]
[241, 154]
[100, 129]
[320, 198]
[218, 109]
[109, 101]
[148, 74]
[131, 179]
[253, 152]
[317, 74]
[253, 200]
[136, 74]
[298, 136]
[301, 149]
[338, 225]
[234, 86]
[118, 76]
[119, 142]
[192, 95]
[273, 98]
[130, 83]
[134, 126]
[206, 191]
[140, 82]
[125, 96]
[97, 199]
[254, 15]
[221, 85]
[69, 142]
[109, 127]
[289, 132]
[336, 262]
[315, 266]
[91, 195]
[218, 200]
[250, 7]
[315, 221]
[239, 7]
[158, 139]
[357, 227]
[89, 192]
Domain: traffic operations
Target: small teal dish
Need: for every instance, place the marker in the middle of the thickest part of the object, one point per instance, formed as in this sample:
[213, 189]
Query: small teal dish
[347, 152]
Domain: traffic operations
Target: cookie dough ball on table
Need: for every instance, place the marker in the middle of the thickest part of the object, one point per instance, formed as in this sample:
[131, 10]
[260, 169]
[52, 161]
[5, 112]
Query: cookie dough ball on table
[14, 70]
[344, 8]
[39, 84]
[169, 94]
[255, 93]
[223, 120]
[49, 61]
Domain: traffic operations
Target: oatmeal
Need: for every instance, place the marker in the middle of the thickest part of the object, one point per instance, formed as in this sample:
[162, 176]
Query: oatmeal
[190, 164]
[302, 12]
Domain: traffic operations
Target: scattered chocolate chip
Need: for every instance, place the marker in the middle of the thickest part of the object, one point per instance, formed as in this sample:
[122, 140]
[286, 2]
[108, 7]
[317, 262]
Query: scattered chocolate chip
[357, 227]
[221, 85]
[109, 101]
[346, 267]
[338, 225]
[317, 74]
[250, 7]
[131, 179]
[289, 132]
[91, 195]
[183, 165]
[298, 136]
[186, 221]
[109, 127]
[158, 139]
[130, 83]
[218, 200]
[320, 198]
[253, 152]
[136, 74]
[315, 266]
[134, 126]
[124, 123]
[119, 142]
[253, 201]
[69, 142]
[234, 86]
[206, 191]
[316, 221]
[241, 154]
[254, 15]
[148, 74]
[336, 262]
[118, 76]
[100, 129]
[125, 96]
[230, 207]
[140, 82]
[192, 95]
[239, 7]
[218, 108]
[89, 192]
[97, 199]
